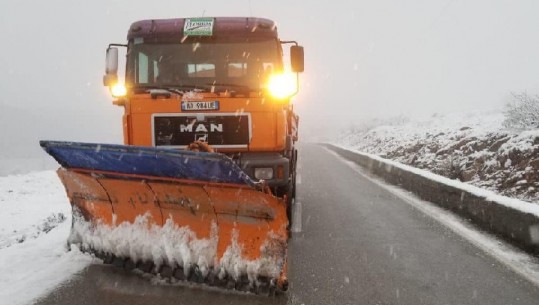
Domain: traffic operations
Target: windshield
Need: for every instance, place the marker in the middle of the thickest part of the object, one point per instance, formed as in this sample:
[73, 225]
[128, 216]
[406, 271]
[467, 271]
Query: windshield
[204, 65]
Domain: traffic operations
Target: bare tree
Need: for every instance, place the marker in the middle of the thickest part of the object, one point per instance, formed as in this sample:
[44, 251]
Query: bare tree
[522, 112]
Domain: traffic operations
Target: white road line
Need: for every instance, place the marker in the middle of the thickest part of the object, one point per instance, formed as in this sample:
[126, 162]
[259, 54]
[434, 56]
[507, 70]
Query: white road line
[515, 259]
[298, 179]
[296, 217]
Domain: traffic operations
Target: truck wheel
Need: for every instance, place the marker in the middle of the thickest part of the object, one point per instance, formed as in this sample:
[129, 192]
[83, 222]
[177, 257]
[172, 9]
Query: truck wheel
[290, 199]
[289, 192]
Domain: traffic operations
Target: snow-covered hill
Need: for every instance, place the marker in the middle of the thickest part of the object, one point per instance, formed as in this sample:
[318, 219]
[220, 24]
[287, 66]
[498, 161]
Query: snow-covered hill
[471, 147]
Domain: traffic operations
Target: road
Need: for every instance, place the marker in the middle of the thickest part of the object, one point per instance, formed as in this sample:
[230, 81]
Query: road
[359, 244]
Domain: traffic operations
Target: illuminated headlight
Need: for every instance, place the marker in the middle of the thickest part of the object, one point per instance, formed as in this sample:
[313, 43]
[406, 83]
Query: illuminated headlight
[264, 173]
[118, 90]
[282, 85]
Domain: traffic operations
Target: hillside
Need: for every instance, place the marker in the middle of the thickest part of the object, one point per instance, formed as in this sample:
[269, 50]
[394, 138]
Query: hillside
[472, 147]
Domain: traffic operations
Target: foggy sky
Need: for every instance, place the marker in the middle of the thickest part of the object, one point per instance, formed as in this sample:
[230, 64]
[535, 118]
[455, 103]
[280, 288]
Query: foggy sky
[364, 59]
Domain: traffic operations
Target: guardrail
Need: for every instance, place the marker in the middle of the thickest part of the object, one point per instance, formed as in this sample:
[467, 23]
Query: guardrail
[513, 220]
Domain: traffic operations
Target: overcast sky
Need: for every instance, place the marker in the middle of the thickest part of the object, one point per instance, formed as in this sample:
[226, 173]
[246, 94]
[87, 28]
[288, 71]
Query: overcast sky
[364, 59]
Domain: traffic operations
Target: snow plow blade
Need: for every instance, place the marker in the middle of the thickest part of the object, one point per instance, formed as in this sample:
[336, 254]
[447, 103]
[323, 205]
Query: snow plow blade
[188, 215]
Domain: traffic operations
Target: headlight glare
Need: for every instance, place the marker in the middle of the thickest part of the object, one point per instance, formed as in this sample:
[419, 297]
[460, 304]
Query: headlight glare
[282, 85]
[118, 90]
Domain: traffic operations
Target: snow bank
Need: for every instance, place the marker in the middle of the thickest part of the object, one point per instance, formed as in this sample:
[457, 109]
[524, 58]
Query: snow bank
[27, 201]
[34, 226]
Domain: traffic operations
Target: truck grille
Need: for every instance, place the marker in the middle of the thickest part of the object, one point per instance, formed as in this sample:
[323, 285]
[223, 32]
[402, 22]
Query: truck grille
[228, 130]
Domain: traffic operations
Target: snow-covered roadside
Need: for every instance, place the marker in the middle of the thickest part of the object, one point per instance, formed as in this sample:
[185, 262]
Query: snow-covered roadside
[471, 147]
[35, 220]
[30, 203]
[512, 203]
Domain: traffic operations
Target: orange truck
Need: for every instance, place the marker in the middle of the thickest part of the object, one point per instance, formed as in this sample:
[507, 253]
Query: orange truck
[217, 80]
[219, 213]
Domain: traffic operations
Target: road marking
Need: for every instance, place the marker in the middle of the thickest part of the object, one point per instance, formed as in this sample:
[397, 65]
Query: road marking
[296, 217]
[515, 259]
[298, 179]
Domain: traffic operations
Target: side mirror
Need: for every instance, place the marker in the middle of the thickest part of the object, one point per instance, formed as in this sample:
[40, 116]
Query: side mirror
[297, 58]
[111, 67]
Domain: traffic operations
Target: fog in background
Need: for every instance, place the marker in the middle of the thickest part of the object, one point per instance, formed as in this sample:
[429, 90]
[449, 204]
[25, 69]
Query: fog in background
[364, 59]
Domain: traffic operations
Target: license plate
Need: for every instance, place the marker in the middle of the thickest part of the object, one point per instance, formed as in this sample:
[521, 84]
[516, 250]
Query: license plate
[197, 106]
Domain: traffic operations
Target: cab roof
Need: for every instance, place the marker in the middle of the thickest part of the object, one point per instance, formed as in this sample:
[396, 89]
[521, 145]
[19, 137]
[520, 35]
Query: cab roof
[245, 27]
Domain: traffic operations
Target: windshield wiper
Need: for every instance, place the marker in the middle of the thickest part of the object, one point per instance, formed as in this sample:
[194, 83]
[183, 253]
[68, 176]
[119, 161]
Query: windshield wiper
[176, 89]
[156, 89]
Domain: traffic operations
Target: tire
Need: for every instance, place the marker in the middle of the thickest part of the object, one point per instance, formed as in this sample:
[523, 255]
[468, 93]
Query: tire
[290, 196]
[291, 191]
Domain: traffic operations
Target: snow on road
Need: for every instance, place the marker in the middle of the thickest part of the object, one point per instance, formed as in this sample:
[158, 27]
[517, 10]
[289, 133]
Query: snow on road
[35, 220]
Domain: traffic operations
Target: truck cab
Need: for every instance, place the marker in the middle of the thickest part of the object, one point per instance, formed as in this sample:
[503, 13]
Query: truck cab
[217, 80]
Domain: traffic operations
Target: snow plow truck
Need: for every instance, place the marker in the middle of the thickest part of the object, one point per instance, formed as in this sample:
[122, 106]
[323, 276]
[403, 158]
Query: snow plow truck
[203, 188]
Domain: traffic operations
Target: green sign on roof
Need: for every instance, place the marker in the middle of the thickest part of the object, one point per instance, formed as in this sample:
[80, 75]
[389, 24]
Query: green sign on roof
[198, 27]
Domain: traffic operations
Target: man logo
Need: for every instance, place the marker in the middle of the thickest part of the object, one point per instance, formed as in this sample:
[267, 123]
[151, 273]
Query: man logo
[201, 128]
[201, 137]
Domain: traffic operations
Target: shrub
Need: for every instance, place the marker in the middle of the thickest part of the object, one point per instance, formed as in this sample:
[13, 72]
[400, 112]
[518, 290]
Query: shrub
[522, 112]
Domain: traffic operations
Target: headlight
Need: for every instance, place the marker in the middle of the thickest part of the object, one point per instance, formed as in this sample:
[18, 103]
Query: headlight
[282, 85]
[118, 90]
[264, 173]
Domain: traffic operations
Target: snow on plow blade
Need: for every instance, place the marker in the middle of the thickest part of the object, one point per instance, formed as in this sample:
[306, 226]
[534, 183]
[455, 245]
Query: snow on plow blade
[195, 214]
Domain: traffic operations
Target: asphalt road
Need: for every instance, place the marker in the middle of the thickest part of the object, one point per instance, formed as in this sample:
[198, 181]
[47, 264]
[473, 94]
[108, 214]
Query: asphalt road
[359, 245]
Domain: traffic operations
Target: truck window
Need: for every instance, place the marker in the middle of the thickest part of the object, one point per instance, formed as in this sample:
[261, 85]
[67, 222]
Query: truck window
[142, 76]
[144, 70]
[201, 70]
[245, 64]
[237, 69]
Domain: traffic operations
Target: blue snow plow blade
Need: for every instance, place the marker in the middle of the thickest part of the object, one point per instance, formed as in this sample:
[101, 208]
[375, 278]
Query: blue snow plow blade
[148, 161]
